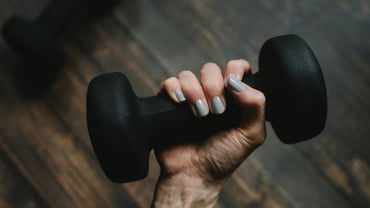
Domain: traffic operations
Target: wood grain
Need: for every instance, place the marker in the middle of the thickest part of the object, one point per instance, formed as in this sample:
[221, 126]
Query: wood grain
[46, 159]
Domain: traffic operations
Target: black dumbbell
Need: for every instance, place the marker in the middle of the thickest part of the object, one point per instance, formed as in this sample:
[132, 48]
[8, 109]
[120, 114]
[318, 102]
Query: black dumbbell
[124, 128]
[38, 42]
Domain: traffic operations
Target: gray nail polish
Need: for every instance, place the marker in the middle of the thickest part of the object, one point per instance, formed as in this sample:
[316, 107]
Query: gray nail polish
[180, 95]
[235, 84]
[217, 105]
[201, 108]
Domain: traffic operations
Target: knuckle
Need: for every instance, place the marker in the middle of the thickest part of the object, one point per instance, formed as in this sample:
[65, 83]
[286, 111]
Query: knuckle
[185, 73]
[257, 138]
[169, 82]
[238, 63]
[230, 63]
[258, 141]
[209, 65]
[252, 138]
[245, 63]
[258, 99]
[209, 68]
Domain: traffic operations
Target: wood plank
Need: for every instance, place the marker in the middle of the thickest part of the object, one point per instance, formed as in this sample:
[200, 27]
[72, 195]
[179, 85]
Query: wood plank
[250, 186]
[56, 165]
[12, 181]
[303, 183]
[351, 177]
[155, 32]
[62, 170]
[148, 41]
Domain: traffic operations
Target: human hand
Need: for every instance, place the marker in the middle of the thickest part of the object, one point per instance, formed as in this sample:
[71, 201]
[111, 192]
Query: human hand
[192, 175]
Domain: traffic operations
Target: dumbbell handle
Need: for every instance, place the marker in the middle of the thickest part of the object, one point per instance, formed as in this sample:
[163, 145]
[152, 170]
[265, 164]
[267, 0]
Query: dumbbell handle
[58, 14]
[124, 128]
[161, 117]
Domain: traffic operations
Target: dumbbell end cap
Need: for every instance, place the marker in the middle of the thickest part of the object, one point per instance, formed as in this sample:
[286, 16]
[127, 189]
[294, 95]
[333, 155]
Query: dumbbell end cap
[296, 91]
[121, 152]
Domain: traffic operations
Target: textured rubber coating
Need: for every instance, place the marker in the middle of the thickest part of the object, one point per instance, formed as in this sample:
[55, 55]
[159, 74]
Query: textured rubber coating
[124, 128]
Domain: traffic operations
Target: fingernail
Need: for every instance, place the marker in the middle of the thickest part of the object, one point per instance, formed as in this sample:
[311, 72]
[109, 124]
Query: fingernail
[235, 84]
[180, 95]
[217, 105]
[201, 108]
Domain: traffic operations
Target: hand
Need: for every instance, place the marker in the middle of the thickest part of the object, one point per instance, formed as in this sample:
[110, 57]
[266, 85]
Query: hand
[192, 175]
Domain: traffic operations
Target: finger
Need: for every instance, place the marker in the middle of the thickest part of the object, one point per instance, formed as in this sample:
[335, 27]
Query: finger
[213, 87]
[238, 67]
[194, 93]
[247, 98]
[173, 89]
[252, 103]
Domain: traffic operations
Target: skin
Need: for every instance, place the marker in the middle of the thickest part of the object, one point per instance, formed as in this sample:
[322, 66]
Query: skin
[193, 175]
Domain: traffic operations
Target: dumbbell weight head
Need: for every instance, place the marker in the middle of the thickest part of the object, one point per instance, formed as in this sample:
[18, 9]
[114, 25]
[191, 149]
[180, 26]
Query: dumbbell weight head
[98, 8]
[292, 80]
[39, 42]
[39, 39]
[33, 42]
[27, 36]
[41, 55]
[124, 128]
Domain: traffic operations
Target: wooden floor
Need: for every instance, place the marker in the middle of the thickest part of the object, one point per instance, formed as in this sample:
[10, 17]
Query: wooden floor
[46, 159]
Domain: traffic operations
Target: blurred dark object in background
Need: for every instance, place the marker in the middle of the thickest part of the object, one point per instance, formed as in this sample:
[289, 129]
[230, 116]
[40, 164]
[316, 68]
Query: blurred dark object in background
[39, 42]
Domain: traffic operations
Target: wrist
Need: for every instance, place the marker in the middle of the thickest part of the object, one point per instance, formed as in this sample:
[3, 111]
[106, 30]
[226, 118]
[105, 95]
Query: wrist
[185, 190]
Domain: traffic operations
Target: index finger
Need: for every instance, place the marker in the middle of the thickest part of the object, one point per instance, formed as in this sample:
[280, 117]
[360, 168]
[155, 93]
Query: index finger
[238, 67]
